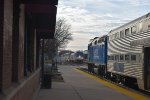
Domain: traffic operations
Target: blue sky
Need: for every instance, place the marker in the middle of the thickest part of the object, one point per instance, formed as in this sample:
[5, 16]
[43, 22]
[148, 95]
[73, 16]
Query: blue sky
[94, 18]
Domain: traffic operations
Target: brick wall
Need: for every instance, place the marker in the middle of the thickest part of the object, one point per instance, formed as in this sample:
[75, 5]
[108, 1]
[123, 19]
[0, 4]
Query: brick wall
[12, 36]
[27, 90]
[12, 51]
[7, 44]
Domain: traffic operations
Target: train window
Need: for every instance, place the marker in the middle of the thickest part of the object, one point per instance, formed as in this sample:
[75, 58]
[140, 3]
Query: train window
[99, 41]
[112, 57]
[126, 57]
[107, 38]
[148, 23]
[116, 57]
[133, 29]
[117, 35]
[121, 57]
[109, 58]
[110, 37]
[140, 27]
[121, 34]
[95, 42]
[127, 31]
[148, 26]
[113, 36]
[133, 57]
[102, 39]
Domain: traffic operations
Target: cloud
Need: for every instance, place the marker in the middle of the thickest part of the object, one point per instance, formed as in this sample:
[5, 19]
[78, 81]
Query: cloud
[138, 2]
[90, 18]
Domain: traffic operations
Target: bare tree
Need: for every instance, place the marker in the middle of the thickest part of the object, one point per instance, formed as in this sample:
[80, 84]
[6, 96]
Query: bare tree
[62, 36]
[62, 33]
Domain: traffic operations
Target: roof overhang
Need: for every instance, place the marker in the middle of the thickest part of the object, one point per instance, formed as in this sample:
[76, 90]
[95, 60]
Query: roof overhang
[44, 18]
[45, 33]
[51, 2]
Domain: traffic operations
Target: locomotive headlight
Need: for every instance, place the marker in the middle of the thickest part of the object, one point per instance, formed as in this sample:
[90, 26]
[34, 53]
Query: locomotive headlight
[79, 56]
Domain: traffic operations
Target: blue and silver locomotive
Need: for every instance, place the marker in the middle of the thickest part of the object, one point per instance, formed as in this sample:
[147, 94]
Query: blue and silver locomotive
[97, 55]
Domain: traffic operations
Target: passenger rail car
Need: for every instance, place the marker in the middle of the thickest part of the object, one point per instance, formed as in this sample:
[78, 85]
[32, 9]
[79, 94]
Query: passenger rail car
[129, 52]
[97, 55]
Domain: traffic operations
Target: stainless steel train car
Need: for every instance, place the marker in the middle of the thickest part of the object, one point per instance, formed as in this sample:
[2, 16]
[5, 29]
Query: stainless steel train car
[129, 52]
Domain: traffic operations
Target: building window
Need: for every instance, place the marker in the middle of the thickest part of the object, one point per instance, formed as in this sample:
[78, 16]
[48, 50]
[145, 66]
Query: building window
[121, 57]
[126, 57]
[133, 57]
[127, 31]
[133, 29]
[121, 34]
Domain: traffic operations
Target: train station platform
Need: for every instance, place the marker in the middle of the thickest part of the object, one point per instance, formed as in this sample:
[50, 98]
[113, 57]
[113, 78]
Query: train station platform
[79, 85]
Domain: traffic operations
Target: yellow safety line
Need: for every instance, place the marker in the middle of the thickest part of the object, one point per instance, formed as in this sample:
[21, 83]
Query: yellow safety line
[133, 95]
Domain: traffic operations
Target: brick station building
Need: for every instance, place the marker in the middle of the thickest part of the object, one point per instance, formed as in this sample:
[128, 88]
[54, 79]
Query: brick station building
[22, 24]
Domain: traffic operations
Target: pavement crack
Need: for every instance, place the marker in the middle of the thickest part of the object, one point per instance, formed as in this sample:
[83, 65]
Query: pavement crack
[77, 92]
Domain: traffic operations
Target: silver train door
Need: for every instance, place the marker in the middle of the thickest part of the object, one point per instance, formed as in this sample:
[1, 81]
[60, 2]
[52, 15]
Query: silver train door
[147, 67]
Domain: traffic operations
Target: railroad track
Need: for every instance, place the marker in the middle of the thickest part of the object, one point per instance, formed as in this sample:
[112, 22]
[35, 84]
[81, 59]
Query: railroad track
[135, 90]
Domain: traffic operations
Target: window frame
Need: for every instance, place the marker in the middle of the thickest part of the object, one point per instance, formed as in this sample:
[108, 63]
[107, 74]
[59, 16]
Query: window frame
[128, 57]
[112, 56]
[120, 57]
[122, 34]
[95, 42]
[140, 26]
[132, 29]
[116, 57]
[113, 36]
[116, 35]
[127, 30]
[132, 57]
[108, 57]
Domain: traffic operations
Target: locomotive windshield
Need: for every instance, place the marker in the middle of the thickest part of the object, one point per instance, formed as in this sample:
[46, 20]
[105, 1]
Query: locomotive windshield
[79, 54]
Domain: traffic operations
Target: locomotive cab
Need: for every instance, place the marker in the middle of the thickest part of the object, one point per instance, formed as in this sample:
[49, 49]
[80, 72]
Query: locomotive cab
[97, 55]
